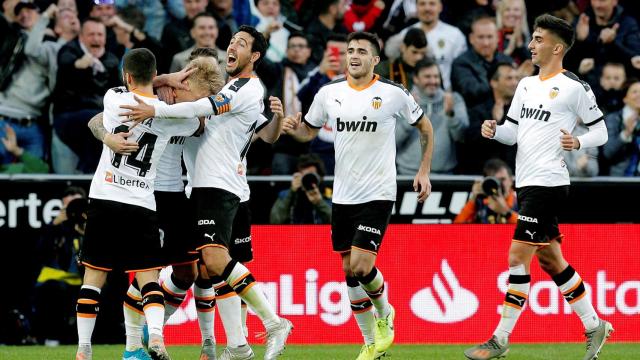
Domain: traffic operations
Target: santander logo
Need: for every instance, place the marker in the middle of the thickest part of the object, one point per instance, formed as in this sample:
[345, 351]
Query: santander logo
[447, 302]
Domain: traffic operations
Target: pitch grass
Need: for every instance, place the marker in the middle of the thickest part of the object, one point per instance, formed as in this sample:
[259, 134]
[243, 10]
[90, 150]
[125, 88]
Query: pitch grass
[617, 351]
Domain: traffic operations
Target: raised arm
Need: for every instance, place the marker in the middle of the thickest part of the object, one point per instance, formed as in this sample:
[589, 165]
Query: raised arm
[270, 133]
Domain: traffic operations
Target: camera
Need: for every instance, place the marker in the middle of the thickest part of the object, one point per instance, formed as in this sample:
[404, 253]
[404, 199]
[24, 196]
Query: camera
[492, 186]
[77, 211]
[310, 179]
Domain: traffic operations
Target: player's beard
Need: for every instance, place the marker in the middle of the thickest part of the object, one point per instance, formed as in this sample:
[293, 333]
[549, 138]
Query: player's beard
[240, 66]
[361, 72]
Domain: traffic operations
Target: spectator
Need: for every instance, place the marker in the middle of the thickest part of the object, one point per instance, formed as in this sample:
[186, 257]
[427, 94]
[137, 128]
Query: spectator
[609, 90]
[282, 80]
[605, 33]
[23, 105]
[271, 24]
[204, 32]
[176, 34]
[11, 43]
[362, 14]
[402, 13]
[514, 35]
[412, 50]
[469, 70]
[104, 11]
[332, 67]
[60, 276]
[448, 115]
[327, 22]
[23, 161]
[622, 152]
[86, 70]
[304, 202]
[476, 149]
[581, 162]
[156, 13]
[446, 42]
[222, 10]
[497, 207]
[128, 25]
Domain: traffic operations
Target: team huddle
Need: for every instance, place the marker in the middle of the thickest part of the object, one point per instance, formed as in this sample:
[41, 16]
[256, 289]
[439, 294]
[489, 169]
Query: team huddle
[203, 230]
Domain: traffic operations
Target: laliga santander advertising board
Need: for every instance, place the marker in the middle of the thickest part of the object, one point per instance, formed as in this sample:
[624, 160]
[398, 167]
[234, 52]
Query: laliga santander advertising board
[447, 283]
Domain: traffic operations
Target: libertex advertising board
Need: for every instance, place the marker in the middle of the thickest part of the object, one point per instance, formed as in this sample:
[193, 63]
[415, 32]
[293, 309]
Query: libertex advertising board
[447, 283]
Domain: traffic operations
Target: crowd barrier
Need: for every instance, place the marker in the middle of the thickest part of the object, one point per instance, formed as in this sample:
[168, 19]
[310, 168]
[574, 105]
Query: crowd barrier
[447, 283]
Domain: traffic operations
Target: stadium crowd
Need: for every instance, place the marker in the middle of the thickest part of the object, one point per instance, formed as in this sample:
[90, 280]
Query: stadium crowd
[461, 60]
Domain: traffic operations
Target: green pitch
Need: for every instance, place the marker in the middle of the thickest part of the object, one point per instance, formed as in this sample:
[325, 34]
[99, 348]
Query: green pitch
[339, 352]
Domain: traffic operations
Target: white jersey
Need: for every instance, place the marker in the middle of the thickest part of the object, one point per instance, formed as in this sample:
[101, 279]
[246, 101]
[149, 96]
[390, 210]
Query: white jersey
[169, 172]
[540, 108]
[364, 122]
[130, 179]
[217, 156]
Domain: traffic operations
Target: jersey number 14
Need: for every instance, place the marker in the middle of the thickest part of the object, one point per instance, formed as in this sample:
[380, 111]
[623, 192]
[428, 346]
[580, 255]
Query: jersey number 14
[141, 159]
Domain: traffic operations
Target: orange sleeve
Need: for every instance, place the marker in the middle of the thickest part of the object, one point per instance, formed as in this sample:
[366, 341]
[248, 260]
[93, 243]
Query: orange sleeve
[467, 214]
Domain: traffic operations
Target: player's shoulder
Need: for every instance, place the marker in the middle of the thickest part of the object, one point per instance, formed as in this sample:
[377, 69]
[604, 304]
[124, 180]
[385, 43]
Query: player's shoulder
[244, 83]
[335, 83]
[574, 80]
[392, 86]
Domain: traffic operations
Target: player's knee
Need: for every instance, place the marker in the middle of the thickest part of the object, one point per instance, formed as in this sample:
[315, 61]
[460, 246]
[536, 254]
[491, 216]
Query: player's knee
[516, 259]
[549, 266]
[186, 274]
[361, 269]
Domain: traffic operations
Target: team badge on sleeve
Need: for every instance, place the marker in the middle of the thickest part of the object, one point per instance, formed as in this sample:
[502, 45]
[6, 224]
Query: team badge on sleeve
[221, 103]
[376, 102]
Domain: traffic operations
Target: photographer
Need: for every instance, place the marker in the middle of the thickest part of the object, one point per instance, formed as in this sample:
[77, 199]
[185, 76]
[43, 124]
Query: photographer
[60, 276]
[304, 203]
[492, 200]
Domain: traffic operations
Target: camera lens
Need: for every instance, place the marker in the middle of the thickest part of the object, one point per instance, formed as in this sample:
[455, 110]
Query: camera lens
[310, 179]
[490, 186]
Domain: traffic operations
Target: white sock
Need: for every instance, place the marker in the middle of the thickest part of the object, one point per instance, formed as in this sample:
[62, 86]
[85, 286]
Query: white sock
[514, 302]
[231, 316]
[573, 290]
[153, 305]
[362, 310]
[87, 308]
[205, 306]
[134, 319]
[373, 284]
[173, 297]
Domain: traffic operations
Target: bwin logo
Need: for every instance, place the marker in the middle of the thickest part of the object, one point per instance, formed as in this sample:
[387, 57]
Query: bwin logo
[527, 219]
[537, 114]
[366, 126]
[368, 229]
[444, 304]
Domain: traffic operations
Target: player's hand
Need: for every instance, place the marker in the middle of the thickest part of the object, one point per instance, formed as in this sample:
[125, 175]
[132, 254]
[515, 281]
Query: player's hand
[422, 184]
[314, 195]
[586, 65]
[166, 94]
[119, 144]
[174, 80]
[291, 124]
[276, 107]
[137, 113]
[296, 181]
[568, 141]
[582, 27]
[488, 129]
[608, 35]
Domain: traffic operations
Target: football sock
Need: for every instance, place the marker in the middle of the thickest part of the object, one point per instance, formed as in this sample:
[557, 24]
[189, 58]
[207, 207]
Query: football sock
[87, 309]
[205, 298]
[244, 309]
[573, 290]
[133, 318]
[153, 306]
[174, 291]
[242, 282]
[230, 313]
[373, 284]
[361, 306]
[514, 301]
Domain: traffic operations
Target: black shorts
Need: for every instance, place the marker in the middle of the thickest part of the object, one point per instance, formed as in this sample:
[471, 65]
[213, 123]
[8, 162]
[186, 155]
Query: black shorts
[177, 230]
[215, 212]
[539, 207]
[241, 249]
[361, 226]
[121, 237]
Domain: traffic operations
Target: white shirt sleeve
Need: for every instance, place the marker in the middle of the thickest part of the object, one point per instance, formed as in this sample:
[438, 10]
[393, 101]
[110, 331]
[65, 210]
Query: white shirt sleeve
[262, 122]
[317, 116]
[513, 115]
[586, 107]
[596, 136]
[202, 107]
[409, 110]
[506, 133]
